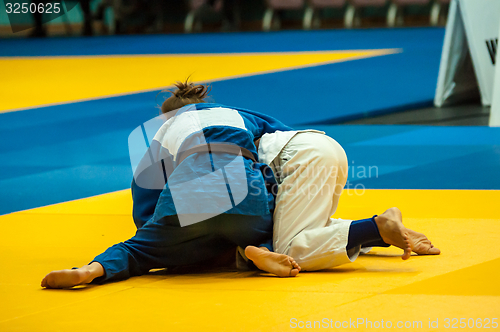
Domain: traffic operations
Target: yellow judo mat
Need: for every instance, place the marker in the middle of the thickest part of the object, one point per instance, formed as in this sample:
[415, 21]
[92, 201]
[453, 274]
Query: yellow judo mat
[458, 289]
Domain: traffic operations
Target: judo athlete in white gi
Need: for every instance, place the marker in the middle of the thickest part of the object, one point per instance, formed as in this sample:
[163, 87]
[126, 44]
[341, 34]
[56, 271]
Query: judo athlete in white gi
[200, 212]
[311, 170]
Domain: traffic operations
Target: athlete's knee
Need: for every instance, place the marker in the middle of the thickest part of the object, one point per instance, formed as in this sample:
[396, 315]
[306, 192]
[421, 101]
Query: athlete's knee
[327, 163]
[329, 152]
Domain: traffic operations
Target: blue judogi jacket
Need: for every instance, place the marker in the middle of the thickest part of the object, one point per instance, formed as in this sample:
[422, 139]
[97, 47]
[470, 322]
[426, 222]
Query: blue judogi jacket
[204, 184]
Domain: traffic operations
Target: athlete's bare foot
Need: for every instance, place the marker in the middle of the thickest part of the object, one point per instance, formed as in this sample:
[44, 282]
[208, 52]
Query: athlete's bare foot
[420, 244]
[393, 232]
[71, 278]
[279, 264]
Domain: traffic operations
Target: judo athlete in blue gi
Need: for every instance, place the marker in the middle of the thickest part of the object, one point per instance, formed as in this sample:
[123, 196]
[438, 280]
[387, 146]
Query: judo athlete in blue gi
[198, 192]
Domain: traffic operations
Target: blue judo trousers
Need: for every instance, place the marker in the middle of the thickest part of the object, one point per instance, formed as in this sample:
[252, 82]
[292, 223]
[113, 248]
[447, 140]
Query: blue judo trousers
[194, 216]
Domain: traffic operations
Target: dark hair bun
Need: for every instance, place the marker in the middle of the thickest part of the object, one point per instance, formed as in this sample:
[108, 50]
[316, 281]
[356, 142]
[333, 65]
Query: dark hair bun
[190, 90]
[185, 94]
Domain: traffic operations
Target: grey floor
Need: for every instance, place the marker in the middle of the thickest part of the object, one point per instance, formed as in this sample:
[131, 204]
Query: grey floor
[472, 114]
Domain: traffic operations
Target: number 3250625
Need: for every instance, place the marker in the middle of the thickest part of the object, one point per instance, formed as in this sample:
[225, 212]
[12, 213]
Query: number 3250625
[463, 323]
[24, 8]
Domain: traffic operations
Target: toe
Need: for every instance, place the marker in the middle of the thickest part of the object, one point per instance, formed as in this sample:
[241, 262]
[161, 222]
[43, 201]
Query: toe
[407, 251]
[45, 282]
[294, 263]
[433, 251]
[407, 254]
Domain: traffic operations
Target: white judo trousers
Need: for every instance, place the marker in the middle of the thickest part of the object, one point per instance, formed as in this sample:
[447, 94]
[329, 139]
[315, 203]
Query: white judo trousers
[311, 170]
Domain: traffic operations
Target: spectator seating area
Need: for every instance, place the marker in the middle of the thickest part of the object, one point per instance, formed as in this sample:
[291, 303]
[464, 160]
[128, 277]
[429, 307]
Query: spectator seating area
[232, 12]
[160, 16]
[352, 9]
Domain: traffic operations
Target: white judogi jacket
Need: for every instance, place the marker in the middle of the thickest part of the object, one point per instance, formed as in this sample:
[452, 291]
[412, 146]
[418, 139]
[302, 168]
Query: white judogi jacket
[271, 145]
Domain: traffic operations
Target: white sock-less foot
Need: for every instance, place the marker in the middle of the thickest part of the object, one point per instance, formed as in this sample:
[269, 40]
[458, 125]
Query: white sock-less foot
[393, 232]
[279, 264]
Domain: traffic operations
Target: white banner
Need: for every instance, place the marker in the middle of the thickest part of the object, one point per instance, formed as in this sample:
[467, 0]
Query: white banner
[495, 103]
[471, 33]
